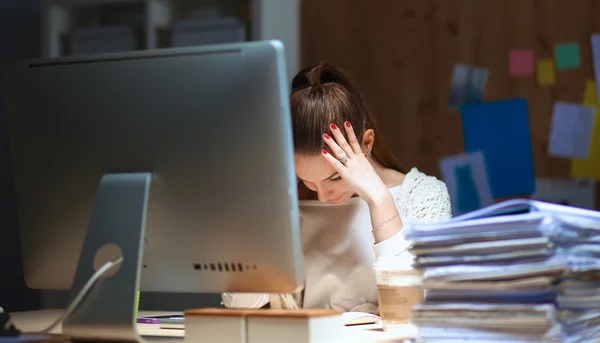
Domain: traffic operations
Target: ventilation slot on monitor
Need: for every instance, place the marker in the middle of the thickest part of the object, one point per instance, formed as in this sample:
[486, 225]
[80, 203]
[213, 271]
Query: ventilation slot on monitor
[224, 267]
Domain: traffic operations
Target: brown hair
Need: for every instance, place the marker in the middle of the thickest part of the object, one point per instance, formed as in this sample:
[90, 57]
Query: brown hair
[323, 94]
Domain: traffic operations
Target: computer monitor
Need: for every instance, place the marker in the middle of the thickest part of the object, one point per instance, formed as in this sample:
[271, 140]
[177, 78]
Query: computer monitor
[189, 150]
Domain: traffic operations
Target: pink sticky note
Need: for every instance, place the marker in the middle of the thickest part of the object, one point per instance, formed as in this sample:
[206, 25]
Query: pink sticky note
[520, 62]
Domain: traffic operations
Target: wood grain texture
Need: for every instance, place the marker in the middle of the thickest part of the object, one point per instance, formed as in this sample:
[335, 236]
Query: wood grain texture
[274, 313]
[401, 53]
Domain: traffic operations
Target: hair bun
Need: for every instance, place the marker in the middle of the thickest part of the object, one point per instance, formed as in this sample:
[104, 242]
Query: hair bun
[320, 74]
[327, 74]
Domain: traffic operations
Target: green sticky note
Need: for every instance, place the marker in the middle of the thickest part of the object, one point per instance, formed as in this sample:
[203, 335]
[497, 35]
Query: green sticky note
[137, 303]
[567, 56]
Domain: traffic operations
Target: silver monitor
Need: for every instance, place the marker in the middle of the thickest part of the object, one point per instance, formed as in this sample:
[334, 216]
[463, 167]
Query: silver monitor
[187, 150]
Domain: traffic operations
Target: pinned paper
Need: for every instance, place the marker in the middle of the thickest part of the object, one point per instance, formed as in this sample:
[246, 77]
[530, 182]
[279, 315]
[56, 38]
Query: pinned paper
[545, 72]
[595, 45]
[590, 167]
[590, 95]
[467, 181]
[520, 62]
[567, 56]
[467, 86]
[500, 130]
[571, 130]
[572, 192]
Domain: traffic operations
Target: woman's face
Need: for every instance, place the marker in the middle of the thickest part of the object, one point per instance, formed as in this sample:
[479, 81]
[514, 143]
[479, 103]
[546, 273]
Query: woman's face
[319, 176]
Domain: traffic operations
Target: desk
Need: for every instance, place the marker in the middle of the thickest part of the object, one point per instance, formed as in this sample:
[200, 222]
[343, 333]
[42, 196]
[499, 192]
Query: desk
[37, 320]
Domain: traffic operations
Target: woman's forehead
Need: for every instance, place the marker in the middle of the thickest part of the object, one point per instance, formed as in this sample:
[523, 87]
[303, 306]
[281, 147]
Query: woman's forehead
[313, 168]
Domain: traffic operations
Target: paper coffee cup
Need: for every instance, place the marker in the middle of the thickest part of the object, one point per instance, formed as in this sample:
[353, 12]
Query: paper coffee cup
[399, 288]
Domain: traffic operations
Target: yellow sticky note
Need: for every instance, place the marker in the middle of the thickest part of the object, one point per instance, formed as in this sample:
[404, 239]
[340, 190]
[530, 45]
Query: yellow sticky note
[590, 167]
[545, 72]
[590, 94]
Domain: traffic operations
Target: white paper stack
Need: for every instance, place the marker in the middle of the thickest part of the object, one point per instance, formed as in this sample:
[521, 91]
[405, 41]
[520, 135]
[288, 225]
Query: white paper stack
[518, 271]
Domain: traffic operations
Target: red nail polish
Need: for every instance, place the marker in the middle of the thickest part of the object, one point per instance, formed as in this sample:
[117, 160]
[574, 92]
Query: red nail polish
[326, 136]
[333, 126]
[347, 124]
[324, 152]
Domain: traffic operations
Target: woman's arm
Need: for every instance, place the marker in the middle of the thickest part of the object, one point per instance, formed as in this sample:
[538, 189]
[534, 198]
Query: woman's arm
[427, 200]
[385, 219]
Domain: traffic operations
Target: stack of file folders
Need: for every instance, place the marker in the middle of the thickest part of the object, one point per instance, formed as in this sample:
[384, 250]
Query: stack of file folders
[517, 271]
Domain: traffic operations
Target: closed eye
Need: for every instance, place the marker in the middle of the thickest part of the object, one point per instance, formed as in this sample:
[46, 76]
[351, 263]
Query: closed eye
[336, 179]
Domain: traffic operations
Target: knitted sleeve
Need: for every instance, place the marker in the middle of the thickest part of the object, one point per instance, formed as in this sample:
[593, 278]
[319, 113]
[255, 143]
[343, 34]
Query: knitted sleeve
[428, 200]
[245, 300]
[422, 199]
[258, 300]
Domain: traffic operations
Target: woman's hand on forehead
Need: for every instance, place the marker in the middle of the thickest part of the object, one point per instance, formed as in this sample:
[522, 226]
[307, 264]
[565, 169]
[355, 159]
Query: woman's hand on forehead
[352, 163]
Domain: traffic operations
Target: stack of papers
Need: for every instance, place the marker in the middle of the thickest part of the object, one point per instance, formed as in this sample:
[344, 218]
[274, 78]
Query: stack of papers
[517, 271]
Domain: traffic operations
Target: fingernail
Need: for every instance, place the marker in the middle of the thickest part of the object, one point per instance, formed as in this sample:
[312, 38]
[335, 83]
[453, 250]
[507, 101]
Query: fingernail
[333, 126]
[347, 124]
[324, 152]
[326, 136]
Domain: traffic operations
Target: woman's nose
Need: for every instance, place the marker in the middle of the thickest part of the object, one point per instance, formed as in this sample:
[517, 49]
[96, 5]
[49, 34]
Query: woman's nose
[323, 194]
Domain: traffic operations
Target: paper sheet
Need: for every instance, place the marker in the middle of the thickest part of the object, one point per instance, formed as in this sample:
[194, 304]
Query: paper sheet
[571, 130]
[509, 162]
[546, 75]
[520, 62]
[572, 192]
[467, 181]
[595, 46]
[567, 56]
[467, 86]
[590, 167]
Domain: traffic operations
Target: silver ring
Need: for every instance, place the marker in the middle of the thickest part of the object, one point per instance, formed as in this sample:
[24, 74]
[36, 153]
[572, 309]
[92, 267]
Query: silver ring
[344, 159]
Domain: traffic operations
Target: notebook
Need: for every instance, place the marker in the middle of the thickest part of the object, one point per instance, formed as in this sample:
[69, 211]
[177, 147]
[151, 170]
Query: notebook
[349, 318]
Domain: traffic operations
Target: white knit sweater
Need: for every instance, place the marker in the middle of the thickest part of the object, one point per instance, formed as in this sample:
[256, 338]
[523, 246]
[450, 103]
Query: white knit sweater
[339, 268]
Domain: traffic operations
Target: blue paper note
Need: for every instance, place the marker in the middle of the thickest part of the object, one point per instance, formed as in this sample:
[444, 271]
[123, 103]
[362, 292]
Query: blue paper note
[468, 197]
[500, 129]
[467, 85]
[467, 181]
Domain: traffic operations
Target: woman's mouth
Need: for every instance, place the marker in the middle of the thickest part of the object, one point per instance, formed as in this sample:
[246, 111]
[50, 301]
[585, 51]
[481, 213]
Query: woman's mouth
[335, 199]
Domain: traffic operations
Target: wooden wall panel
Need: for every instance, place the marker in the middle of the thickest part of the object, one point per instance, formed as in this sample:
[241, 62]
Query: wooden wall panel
[401, 52]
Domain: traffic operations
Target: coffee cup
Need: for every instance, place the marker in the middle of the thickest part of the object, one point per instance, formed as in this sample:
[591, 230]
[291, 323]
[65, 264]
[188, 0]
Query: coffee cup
[399, 288]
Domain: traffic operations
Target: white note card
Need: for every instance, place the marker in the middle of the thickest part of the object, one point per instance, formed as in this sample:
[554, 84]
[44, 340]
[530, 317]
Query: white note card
[467, 180]
[571, 130]
[570, 192]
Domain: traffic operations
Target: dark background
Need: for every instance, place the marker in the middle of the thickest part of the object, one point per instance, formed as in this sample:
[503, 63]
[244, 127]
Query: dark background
[401, 52]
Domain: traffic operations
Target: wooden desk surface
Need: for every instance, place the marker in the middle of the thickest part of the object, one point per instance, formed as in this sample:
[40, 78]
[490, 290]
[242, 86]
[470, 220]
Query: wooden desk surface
[37, 320]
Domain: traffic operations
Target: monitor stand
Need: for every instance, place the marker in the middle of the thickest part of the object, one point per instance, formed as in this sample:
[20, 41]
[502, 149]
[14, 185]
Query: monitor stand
[116, 228]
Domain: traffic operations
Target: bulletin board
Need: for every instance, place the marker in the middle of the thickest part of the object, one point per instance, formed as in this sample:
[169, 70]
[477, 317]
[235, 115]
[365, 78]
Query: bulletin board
[402, 55]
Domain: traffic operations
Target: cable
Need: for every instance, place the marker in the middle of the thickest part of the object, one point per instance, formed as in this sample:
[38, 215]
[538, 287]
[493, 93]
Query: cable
[82, 293]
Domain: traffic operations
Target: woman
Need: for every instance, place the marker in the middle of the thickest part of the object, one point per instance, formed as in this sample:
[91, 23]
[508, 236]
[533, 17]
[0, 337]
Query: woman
[364, 196]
